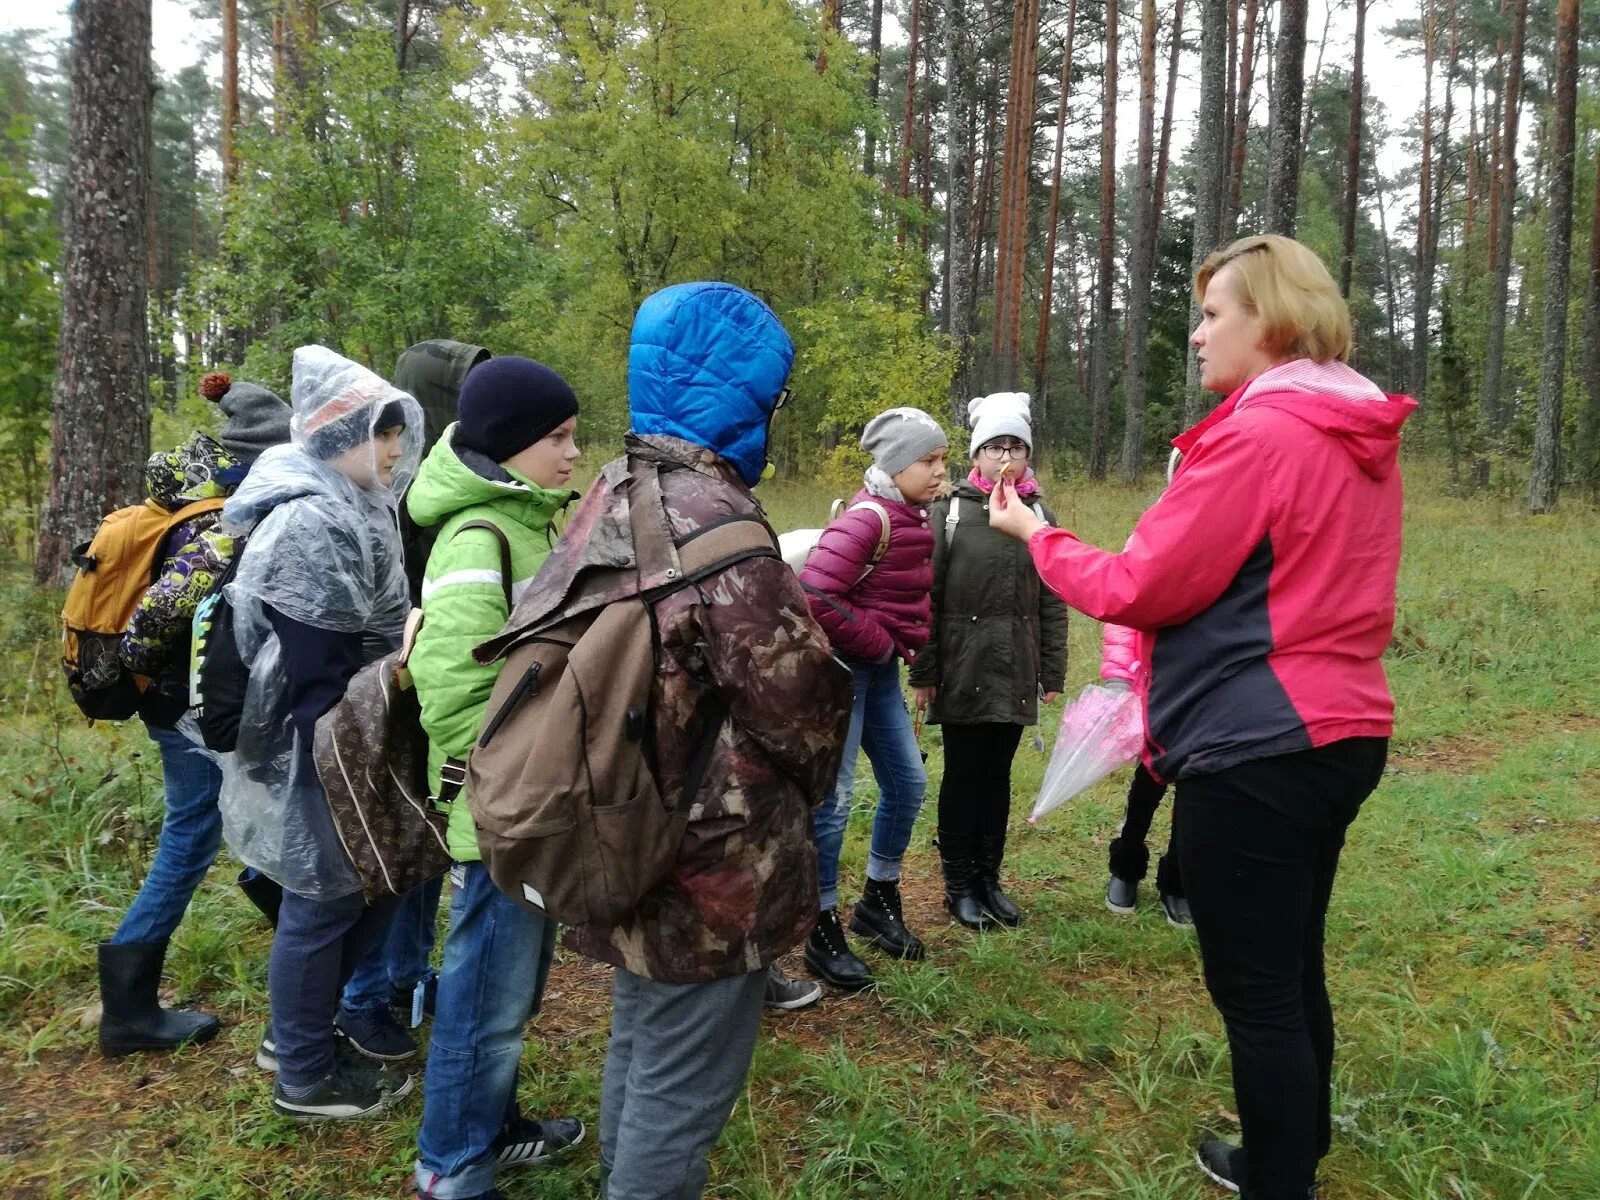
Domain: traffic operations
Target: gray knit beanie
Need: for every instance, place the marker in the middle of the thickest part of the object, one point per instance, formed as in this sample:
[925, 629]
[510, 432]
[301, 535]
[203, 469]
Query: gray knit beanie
[900, 436]
[257, 419]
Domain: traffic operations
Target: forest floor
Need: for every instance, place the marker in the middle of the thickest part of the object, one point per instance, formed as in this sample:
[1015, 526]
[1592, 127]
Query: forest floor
[1076, 1056]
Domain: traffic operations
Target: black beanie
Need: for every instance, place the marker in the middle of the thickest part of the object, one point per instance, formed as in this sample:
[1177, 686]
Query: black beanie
[509, 403]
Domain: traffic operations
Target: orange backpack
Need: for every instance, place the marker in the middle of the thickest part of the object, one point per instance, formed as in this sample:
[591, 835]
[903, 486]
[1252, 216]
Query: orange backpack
[114, 572]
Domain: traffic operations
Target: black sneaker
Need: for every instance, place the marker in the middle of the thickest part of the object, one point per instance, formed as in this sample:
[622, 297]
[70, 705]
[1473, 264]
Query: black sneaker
[531, 1143]
[877, 918]
[1122, 896]
[1177, 910]
[267, 1052]
[376, 1033]
[347, 1093]
[1222, 1161]
[787, 993]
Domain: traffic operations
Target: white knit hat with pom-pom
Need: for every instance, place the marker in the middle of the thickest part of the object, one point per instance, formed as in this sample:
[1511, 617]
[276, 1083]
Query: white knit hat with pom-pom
[1002, 414]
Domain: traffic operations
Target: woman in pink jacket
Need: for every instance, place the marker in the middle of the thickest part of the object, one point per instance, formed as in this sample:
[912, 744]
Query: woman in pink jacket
[1265, 577]
[870, 586]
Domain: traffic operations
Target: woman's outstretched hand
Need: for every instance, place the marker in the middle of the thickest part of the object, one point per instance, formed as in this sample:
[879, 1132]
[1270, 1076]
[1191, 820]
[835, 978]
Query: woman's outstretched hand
[1010, 515]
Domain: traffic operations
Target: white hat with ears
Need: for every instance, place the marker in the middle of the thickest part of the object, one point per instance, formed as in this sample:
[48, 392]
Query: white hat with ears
[1001, 414]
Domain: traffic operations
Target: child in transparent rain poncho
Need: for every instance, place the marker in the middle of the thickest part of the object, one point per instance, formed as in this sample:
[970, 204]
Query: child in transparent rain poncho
[320, 590]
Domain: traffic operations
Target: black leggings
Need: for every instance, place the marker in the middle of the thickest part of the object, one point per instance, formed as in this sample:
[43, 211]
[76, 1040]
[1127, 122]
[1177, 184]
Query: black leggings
[975, 793]
[1130, 857]
[1259, 844]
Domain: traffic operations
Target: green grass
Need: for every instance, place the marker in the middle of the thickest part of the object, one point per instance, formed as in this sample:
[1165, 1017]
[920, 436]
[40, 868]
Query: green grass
[1077, 1056]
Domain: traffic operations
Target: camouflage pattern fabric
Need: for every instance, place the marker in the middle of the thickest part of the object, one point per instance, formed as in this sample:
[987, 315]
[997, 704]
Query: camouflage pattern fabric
[745, 887]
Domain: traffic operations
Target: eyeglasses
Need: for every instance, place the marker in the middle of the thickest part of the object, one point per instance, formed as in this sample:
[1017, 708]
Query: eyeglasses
[996, 452]
[783, 398]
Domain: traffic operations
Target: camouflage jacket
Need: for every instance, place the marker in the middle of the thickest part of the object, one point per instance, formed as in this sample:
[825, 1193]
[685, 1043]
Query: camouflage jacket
[745, 887]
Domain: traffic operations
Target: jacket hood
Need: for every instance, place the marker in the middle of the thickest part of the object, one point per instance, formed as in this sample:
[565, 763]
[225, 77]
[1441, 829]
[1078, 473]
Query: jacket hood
[200, 469]
[433, 372]
[452, 479]
[706, 364]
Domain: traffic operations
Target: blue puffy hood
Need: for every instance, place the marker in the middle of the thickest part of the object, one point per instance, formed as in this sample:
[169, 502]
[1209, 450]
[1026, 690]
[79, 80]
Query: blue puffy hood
[706, 362]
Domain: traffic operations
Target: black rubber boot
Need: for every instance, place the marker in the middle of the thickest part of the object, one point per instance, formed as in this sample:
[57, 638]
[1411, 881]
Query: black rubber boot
[828, 954]
[877, 918]
[264, 893]
[131, 1018]
[991, 850]
[955, 858]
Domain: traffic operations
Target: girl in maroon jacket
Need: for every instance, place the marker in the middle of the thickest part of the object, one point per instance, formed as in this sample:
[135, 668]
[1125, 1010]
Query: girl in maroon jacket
[869, 583]
[1264, 582]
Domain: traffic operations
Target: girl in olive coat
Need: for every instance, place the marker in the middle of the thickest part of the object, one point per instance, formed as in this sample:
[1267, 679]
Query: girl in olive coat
[999, 646]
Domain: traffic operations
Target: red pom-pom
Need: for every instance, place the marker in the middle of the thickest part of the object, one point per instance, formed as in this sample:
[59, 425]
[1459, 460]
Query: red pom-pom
[215, 385]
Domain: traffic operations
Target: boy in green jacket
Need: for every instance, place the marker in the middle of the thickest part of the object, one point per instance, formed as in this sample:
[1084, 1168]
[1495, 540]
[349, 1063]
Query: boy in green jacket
[503, 466]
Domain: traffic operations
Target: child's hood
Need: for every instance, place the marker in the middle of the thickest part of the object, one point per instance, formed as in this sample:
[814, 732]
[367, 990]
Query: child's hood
[200, 469]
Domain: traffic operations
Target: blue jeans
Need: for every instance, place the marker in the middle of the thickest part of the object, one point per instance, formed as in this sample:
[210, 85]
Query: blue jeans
[880, 725]
[496, 960]
[191, 834]
[400, 960]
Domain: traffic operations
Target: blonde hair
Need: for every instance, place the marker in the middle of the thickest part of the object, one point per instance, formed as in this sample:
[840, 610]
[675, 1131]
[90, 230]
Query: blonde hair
[1289, 288]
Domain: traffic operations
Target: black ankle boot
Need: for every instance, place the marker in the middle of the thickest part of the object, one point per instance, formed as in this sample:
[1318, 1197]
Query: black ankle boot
[991, 850]
[955, 858]
[877, 918]
[828, 954]
[131, 1017]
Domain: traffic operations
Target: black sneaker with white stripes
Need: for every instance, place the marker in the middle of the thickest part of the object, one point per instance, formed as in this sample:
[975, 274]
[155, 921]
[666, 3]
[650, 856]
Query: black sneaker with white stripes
[1222, 1161]
[530, 1143]
[352, 1090]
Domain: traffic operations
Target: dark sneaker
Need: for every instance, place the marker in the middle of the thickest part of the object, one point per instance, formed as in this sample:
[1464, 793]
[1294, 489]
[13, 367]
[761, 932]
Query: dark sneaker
[1222, 1161]
[1177, 910]
[829, 955]
[1122, 896]
[349, 1092]
[534, 1143]
[376, 1033]
[267, 1052]
[877, 918]
[786, 993]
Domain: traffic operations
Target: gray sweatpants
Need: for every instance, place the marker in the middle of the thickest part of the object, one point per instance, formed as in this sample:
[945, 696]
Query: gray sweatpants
[677, 1061]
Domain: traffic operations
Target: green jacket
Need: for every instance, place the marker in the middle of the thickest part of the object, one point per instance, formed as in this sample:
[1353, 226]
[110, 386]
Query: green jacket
[999, 636]
[463, 598]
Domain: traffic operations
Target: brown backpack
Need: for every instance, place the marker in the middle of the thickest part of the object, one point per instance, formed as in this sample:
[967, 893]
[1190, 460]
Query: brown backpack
[571, 820]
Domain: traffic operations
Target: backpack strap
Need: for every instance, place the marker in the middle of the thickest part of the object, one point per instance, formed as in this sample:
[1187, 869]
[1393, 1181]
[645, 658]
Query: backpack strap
[882, 547]
[505, 554]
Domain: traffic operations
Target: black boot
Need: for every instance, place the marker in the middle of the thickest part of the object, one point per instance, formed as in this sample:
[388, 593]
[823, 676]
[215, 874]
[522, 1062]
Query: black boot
[877, 918]
[131, 1018]
[955, 857]
[264, 893]
[828, 954]
[991, 850]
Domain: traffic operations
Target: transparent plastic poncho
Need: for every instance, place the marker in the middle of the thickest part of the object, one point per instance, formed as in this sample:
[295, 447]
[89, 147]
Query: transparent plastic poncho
[323, 548]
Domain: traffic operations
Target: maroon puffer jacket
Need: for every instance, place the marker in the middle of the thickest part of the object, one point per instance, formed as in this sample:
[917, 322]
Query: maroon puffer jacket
[887, 612]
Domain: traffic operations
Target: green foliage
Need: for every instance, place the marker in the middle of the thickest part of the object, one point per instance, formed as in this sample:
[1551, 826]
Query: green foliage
[30, 307]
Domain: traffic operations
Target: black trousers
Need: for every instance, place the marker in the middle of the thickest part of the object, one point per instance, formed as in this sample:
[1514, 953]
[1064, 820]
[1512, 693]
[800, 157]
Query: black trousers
[975, 793]
[1259, 845]
[1130, 857]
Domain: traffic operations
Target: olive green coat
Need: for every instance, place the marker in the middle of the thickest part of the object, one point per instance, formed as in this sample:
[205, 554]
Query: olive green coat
[999, 635]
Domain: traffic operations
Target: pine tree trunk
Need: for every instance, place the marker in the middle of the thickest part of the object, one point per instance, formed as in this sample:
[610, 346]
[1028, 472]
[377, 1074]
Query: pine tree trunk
[1388, 290]
[230, 91]
[1545, 480]
[1309, 91]
[1014, 168]
[99, 426]
[875, 52]
[1422, 291]
[1054, 225]
[1352, 159]
[1208, 155]
[1142, 254]
[1233, 194]
[1490, 408]
[1163, 155]
[958, 221]
[1079, 358]
[1283, 159]
[830, 24]
[1105, 287]
[1587, 451]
